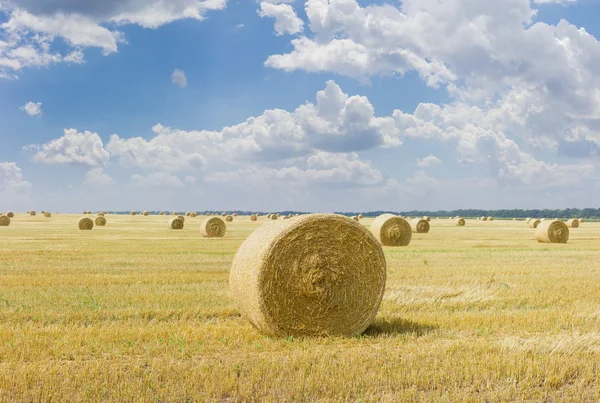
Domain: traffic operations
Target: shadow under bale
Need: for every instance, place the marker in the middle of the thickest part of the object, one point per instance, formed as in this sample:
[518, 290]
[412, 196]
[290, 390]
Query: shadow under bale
[382, 327]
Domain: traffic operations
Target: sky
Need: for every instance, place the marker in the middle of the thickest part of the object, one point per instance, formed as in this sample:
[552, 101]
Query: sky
[316, 105]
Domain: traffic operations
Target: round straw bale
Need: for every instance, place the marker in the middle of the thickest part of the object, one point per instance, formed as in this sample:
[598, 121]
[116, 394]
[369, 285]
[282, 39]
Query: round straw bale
[361, 216]
[100, 221]
[274, 216]
[188, 214]
[47, 214]
[419, 226]
[213, 228]
[33, 213]
[581, 221]
[229, 218]
[427, 218]
[145, 213]
[85, 223]
[490, 218]
[235, 214]
[552, 231]
[176, 223]
[4, 221]
[223, 214]
[460, 222]
[101, 214]
[133, 213]
[161, 213]
[193, 215]
[42, 212]
[573, 223]
[534, 222]
[317, 275]
[182, 218]
[10, 214]
[355, 218]
[391, 230]
[278, 214]
[253, 218]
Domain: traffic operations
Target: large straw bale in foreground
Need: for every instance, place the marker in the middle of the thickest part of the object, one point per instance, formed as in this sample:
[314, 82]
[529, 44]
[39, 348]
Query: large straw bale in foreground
[391, 230]
[10, 214]
[100, 221]
[176, 223]
[419, 226]
[460, 222]
[534, 223]
[213, 227]
[315, 275]
[85, 223]
[573, 223]
[4, 221]
[552, 231]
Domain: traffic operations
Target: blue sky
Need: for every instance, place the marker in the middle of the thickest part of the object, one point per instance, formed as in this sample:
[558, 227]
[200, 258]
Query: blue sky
[320, 105]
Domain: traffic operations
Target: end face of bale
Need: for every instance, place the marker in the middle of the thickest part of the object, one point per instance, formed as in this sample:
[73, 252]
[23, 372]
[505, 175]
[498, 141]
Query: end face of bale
[552, 231]
[133, 213]
[253, 218]
[573, 223]
[213, 227]
[145, 213]
[176, 223]
[274, 217]
[229, 218]
[534, 223]
[419, 226]
[391, 230]
[4, 221]
[10, 214]
[460, 222]
[47, 214]
[33, 213]
[361, 216]
[182, 218]
[100, 221]
[316, 275]
[85, 223]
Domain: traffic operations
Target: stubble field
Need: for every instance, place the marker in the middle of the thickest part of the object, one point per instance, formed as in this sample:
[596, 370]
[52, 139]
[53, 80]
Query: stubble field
[137, 312]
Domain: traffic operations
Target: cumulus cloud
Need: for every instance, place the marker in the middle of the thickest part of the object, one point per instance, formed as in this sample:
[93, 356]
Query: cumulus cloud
[286, 20]
[32, 108]
[428, 161]
[33, 27]
[178, 77]
[11, 181]
[73, 148]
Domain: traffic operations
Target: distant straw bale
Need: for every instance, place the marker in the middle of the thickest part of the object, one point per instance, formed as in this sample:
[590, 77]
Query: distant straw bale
[176, 223]
[391, 230]
[235, 214]
[274, 216]
[318, 275]
[359, 216]
[355, 218]
[33, 213]
[419, 226]
[223, 214]
[47, 214]
[100, 221]
[10, 214]
[552, 231]
[460, 222]
[229, 218]
[213, 228]
[253, 218]
[182, 218]
[193, 215]
[4, 221]
[133, 213]
[534, 222]
[573, 223]
[427, 218]
[85, 223]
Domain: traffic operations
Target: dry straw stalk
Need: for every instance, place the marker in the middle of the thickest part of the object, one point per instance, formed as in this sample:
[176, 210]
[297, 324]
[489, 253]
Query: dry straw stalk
[315, 275]
[552, 231]
[391, 230]
[213, 227]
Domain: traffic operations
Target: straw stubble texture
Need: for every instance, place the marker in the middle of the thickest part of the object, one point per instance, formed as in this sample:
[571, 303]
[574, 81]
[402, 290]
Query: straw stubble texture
[315, 275]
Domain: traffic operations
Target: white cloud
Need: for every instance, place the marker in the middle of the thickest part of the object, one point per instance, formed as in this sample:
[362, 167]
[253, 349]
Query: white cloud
[157, 179]
[189, 180]
[80, 149]
[178, 77]
[32, 108]
[428, 161]
[97, 177]
[286, 20]
[33, 27]
[11, 181]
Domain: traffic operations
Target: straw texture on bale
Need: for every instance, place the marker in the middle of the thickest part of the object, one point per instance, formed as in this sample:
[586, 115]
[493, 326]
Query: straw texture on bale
[229, 218]
[552, 231]
[33, 213]
[100, 221]
[315, 275]
[47, 214]
[460, 222]
[10, 214]
[534, 222]
[253, 218]
[182, 218]
[391, 230]
[85, 223]
[355, 218]
[176, 223]
[4, 221]
[213, 228]
[573, 223]
[419, 226]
